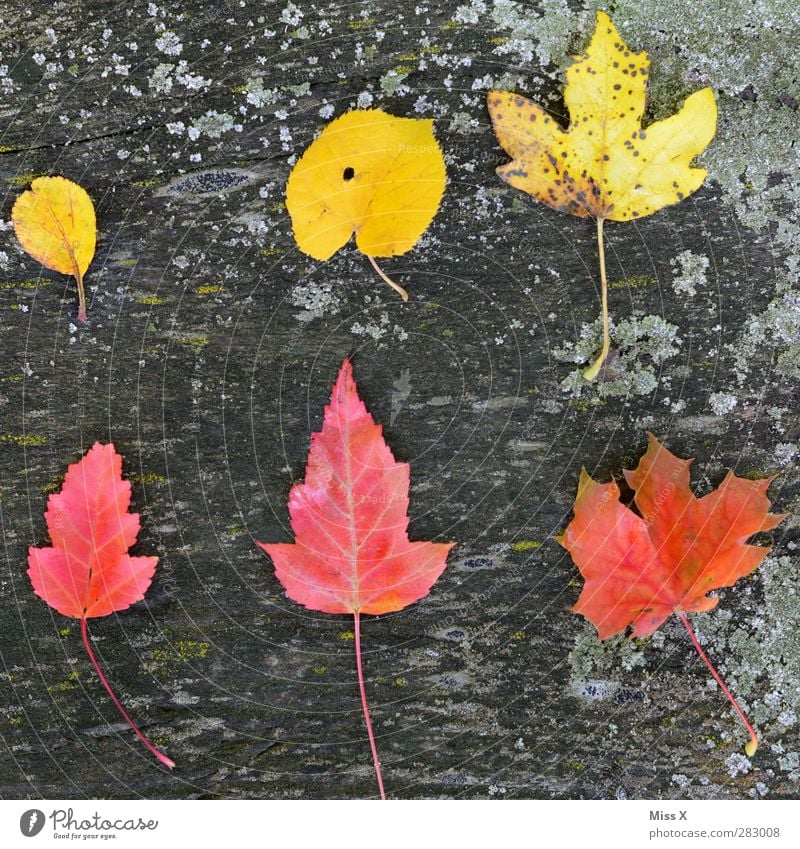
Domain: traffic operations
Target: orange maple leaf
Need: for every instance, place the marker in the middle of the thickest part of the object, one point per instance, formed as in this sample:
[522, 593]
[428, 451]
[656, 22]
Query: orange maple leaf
[640, 569]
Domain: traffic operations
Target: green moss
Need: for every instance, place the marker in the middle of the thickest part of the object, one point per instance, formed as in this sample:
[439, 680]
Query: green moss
[147, 478]
[22, 180]
[635, 281]
[192, 341]
[756, 474]
[585, 404]
[526, 545]
[27, 440]
[191, 649]
[25, 284]
[183, 651]
[67, 684]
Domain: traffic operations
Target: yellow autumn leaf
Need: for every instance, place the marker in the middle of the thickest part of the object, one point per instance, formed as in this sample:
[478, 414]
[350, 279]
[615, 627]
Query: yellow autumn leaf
[605, 164]
[55, 223]
[369, 174]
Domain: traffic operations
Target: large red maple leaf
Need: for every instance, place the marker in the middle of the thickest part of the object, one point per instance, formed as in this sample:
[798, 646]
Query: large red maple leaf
[351, 552]
[641, 568]
[87, 572]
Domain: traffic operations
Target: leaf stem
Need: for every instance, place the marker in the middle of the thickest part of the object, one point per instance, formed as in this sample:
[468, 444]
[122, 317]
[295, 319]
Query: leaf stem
[365, 706]
[81, 296]
[752, 745]
[160, 755]
[594, 369]
[396, 286]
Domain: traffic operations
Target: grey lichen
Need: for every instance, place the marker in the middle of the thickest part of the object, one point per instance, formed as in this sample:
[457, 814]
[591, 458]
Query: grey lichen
[392, 82]
[785, 453]
[595, 665]
[317, 298]
[691, 272]
[779, 328]
[722, 403]
[543, 37]
[212, 124]
[641, 345]
[258, 96]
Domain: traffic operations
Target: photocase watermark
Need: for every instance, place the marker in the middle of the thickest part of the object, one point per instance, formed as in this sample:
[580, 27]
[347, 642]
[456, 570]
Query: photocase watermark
[65, 825]
[168, 581]
[401, 390]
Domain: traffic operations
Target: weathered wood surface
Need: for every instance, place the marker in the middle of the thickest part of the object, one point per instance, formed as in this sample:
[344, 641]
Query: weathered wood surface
[201, 362]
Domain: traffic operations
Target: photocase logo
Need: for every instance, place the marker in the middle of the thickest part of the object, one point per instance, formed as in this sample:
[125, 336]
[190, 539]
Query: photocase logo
[66, 824]
[31, 822]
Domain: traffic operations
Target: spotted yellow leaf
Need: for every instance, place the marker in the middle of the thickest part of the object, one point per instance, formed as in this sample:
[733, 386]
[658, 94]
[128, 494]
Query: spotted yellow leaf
[369, 174]
[606, 164]
[55, 223]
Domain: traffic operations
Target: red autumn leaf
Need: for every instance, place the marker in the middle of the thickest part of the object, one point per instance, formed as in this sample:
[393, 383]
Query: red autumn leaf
[88, 572]
[351, 552]
[642, 567]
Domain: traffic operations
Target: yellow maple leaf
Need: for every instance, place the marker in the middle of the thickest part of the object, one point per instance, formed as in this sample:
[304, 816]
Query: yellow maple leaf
[55, 223]
[369, 174]
[606, 164]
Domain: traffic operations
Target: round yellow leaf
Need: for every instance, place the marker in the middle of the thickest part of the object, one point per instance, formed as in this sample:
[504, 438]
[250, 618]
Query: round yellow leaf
[371, 174]
[55, 223]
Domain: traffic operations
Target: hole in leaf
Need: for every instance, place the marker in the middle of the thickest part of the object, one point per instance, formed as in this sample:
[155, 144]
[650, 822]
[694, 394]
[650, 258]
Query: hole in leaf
[349, 173]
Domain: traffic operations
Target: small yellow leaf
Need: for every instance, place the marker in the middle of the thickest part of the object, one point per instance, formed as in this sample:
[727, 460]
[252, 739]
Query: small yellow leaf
[369, 174]
[55, 223]
[605, 164]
